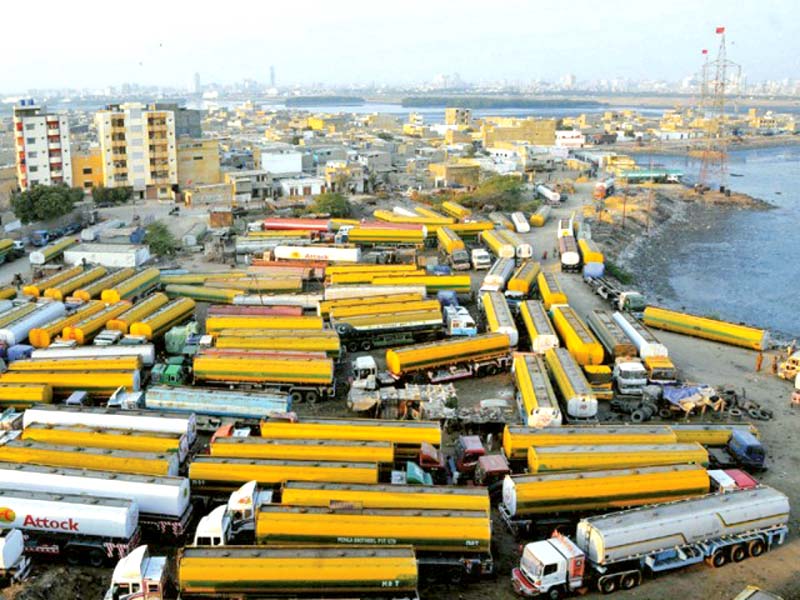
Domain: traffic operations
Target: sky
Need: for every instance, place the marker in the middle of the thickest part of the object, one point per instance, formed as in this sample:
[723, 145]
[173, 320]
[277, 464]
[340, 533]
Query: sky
[93, 43]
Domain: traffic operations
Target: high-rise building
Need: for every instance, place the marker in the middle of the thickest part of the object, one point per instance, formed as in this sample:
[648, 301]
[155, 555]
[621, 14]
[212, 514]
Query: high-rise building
[138, 149]
[197, 86]
[272, 76]
[41, 144]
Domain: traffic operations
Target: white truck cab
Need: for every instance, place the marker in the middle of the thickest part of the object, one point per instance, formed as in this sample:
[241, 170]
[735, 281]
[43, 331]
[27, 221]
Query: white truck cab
[553, 566]
[480, 259]
[14, 565]
[139, 575]
[222, 525]
[459, 321]
[630, 376]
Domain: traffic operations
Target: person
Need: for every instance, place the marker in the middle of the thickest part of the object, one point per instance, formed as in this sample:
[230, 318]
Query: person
[759, 361]
[544, 255]
[774, 364]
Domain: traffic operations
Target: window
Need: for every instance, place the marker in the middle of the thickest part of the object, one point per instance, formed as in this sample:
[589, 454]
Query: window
[153, 588]
[30, 126]
[550, 569]
[33, 169]
[203, 541]
[87, 184]
[30, 140]
[197, 158]
[33, 154]
[87, 170]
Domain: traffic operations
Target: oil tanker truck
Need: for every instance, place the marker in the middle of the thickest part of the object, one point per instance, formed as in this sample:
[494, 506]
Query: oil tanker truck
[615, 551]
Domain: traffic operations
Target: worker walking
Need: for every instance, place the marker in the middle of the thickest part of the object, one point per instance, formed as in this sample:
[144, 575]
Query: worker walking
[774, 364]
[759, 361]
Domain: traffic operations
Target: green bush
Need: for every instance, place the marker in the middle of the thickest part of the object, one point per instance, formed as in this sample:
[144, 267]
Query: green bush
[620, 274]
[44, 202]
[160, 240]
[333, 204]
[117, 195]
[503, 191]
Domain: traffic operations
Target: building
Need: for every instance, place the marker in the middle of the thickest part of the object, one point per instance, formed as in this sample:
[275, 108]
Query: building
[464, 173]
[459, 117]
[509, 129]
[198, 162]
[87, 169]
[138, 149]
[252, 184]
[570, 138]
[341, 176]
[281, 159]
[302, 186]
[188, 121]
[41, 146]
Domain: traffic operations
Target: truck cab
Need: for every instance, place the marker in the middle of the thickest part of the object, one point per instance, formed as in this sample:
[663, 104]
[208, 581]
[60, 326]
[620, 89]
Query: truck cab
[139, 575]
[459, 321]
[460, 260]
[660, 370]
[40, 237]
[746, 449]
[468, 451]
[14, 564]
[630, 376]
[480, 259]
[632, 302]
[554, 566]
[790, 368]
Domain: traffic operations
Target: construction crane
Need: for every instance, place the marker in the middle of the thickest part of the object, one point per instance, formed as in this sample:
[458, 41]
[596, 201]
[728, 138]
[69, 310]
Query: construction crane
[719, 77]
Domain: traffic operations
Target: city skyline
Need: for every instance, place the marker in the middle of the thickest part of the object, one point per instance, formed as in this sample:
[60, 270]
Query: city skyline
[355, 43]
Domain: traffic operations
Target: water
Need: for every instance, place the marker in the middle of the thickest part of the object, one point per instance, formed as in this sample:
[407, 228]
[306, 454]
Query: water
[739, 265]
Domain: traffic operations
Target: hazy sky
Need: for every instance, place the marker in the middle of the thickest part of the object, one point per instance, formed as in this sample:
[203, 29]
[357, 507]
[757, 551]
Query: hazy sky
[96, 43]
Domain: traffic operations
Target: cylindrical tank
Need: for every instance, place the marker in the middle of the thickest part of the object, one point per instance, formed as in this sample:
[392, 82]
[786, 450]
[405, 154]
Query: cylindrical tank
[401, 433]
[202, 293]
[215, 324]
[317, 371]
[94, 289]
[646, 343]
[162, 496]
[42, 337]
[581, 491]
[51, 251]
[543, 459]
[83, 331]
[24, 395]
[115, 363]
[63, 289]
[706, 328]
[146, 352]
[138, 284]
[176, 311]
[616, 536]
[333, 450]
[400, 361]
[137, 312]
[77, 514]
[17, 332]
[577, 337]
[98, 384]
[37, 288]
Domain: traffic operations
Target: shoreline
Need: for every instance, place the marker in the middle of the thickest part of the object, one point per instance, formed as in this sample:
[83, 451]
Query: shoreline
[684, 147]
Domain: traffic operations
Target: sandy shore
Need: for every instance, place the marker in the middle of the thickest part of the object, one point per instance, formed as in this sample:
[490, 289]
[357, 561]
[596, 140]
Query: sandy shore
[684, 147]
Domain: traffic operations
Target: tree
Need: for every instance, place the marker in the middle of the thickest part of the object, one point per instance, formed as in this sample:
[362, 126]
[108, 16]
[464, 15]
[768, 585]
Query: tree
[160, 239]
[116, 195]
[333, 204]
[503, 191]
[44, 202]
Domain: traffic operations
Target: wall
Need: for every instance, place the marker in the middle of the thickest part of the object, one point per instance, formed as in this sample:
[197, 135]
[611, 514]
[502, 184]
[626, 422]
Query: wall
[198, 162]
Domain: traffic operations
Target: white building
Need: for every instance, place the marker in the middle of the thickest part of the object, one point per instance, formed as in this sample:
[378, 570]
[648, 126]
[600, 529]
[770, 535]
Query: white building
[281, 159]
[570, 138]
[138, 149]
[41, 144]
[302, 186]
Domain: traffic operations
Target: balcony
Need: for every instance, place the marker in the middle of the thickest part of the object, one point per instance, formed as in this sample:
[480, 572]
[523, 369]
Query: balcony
[53, 131]
[56, 173]
[54, 146]
[157, 129]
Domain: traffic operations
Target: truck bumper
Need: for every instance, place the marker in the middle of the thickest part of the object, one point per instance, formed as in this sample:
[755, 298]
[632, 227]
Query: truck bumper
[522, 585]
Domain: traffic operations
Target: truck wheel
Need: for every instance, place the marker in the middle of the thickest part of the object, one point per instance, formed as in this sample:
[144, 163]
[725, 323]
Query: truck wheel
[739, 553]
[637, 416]
[352, 346]
[757, 548]
[629, 581]
[296, 397]
[96, 558]
[554, 594]
[607, 585]
[73, 556]
[491, 370]
[366, 345]
[719, 559]
[312, 397]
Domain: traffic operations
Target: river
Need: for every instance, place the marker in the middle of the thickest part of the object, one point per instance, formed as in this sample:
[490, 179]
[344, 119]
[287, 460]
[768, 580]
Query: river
[740, 265]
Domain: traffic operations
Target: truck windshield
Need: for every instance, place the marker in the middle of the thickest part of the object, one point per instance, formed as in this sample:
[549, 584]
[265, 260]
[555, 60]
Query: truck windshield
[631, 374]
[530, 565]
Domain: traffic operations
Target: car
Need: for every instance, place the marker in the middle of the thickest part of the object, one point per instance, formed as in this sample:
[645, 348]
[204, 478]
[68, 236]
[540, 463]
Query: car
[72, 228]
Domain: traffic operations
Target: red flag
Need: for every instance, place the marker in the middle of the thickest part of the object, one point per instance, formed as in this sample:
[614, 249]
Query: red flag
[705, 51]
[720, 30]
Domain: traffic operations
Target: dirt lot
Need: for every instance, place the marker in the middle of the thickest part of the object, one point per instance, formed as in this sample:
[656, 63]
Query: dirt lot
[699, 361]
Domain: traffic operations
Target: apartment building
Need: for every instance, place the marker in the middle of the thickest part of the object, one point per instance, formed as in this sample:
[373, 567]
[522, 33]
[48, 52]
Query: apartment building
[138, 149]
[459, 117]
[41, 146]
[198, 162]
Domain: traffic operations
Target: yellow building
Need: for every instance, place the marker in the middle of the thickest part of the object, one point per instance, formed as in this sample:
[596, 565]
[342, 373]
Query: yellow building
[198, 162]
[87, 169]
[341, 176]
[464, 173]
[534, 131]
[454, 136]
[460, 117]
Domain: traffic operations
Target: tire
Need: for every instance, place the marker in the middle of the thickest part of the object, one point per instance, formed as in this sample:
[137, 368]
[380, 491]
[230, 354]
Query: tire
[352, 346]
[719, 559]
[637, 416]
[629, 581]
[96, 558]
[492, 370]
[739, 553]
[296, 397]
[736, 413]
[607, 585]
[665, 413]
[366, 345]
[312, 397]
[73, 556]
[755, 413]
[757, 548]
[554, 594]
